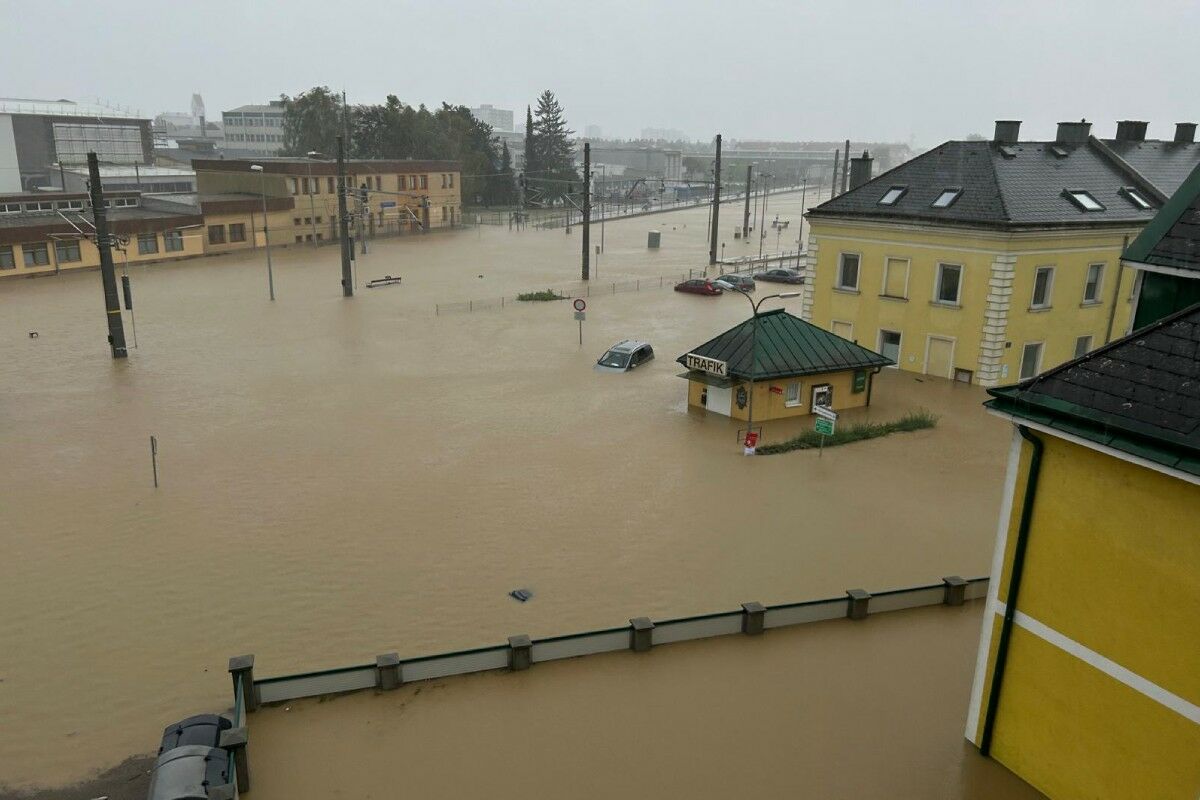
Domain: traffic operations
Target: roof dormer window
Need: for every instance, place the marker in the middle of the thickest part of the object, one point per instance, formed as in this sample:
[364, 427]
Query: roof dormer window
[892, 195]
[947, 198]
[1083, 199]
[1136, 198]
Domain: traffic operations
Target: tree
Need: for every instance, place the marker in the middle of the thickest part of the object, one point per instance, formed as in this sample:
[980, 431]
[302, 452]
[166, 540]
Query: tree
[311, 121]
[504, 186]
[531, 159]
[552, 146]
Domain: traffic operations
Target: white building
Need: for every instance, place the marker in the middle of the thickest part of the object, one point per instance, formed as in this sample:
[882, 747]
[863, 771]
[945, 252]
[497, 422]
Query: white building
[500, 119]
[253, 130]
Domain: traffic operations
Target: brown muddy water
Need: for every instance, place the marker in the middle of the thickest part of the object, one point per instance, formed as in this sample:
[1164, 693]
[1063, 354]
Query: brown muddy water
[341, 478]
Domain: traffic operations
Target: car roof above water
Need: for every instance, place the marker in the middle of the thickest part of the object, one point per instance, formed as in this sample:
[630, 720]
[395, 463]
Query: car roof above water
[627, 346]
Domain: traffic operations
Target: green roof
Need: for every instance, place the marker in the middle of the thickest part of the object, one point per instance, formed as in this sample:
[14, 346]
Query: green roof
[1172, 239]
[785, 345]
[1139, 394]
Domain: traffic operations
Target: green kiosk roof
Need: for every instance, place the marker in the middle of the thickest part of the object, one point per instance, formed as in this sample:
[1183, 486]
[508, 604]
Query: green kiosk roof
[784, 345]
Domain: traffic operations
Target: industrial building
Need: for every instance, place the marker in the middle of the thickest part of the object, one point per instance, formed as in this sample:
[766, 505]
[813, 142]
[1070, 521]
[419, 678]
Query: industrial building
[1087, 683]
[991, 261]
[47, 233]
[39, 136]
[501, 119]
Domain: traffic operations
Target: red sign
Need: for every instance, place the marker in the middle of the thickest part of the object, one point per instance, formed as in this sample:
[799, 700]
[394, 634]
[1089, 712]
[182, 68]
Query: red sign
[776, 390]
[752, 439]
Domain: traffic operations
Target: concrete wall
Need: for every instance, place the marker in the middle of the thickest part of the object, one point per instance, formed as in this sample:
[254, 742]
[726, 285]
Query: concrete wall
[993, 321]
[1101, 692]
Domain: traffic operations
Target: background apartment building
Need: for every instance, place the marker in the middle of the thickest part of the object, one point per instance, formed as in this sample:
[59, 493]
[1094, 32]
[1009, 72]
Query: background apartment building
[254, 130]
[501, 119]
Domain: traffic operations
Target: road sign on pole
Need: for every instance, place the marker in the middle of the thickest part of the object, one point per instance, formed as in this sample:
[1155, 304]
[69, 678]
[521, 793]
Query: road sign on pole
[824, 412]
[580, 316]
[825, 426]
[751, 443]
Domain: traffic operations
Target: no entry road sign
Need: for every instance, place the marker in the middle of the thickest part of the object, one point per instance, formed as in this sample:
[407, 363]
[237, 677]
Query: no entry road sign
[580, 304]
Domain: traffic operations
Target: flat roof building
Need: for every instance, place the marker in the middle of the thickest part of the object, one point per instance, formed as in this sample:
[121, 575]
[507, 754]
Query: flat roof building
[254, 130]
[501, 119]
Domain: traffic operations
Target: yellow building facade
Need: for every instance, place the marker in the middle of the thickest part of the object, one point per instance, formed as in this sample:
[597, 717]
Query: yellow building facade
[992, 327]
[991, 261]
[792, 396]
[1087, 683]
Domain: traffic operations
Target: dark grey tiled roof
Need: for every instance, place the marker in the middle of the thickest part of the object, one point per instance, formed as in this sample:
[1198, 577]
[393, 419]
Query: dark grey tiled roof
[1140, 394]
[1021, 184]
[1173, 239]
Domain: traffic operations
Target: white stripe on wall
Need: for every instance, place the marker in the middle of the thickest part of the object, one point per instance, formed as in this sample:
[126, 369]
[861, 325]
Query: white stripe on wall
[1109, 667]
[989, 612]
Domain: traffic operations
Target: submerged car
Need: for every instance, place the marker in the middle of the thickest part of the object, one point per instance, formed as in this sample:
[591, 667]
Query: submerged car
[741, 282]
[780, 276]
[698, 286]
[625, 355]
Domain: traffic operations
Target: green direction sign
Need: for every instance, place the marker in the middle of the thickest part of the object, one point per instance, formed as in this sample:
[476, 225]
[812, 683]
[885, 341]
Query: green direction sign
[825, 427]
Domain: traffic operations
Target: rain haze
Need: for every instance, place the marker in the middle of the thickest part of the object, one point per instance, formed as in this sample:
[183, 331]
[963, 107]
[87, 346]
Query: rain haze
[650, 399]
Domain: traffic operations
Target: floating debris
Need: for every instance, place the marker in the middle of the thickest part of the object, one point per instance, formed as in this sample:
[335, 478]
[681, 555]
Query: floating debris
[520, 594]
[33, 334]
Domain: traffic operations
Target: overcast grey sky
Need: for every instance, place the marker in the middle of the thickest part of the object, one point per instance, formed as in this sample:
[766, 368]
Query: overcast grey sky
[782, 70]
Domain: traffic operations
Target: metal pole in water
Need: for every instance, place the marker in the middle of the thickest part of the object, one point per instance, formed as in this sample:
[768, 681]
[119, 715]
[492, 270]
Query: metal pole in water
[108, 275]
[154, 458]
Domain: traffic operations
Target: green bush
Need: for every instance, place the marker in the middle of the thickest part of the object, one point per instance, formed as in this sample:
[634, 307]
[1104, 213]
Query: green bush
[912, 421]
[548, 294]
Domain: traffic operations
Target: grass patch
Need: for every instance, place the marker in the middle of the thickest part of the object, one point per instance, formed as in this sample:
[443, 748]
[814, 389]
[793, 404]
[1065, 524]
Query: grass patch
[548, 294]
[912, 421]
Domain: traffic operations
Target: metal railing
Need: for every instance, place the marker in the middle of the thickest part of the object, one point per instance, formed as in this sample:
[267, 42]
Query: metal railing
[751, 618]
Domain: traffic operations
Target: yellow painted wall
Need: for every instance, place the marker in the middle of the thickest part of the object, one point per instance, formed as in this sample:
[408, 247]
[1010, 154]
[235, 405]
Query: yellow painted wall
[193, 245]
[1112, 563]
[917, 316]
[769, 406]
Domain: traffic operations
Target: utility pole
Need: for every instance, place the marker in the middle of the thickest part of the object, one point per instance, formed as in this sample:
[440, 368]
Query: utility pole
[833, 192]
[361, 214]
[846, 167]
[343, 232]
[716, 208]
[587, 209]
[108, 273]
[746, 214]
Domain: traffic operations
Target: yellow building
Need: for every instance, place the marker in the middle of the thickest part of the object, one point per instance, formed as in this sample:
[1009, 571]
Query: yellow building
[795, 366]
[1088, 678]
[401, 196]
[46, 233]
[990, 261]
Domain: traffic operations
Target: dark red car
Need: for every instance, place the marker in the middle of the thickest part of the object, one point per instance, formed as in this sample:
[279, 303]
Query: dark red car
[698, 286]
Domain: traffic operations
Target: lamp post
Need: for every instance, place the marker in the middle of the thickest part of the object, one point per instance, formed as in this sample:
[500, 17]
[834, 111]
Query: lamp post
[266, 229]
[762, 232]
[754, 342]
[312, 205]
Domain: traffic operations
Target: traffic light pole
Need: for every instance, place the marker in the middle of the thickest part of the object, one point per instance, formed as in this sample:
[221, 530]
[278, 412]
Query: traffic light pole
[343, 214]
[108, 273]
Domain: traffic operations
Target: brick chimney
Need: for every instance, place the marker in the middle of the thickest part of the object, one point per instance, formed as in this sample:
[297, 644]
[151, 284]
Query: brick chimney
[1185, 132]
[1073, 132]
[1007, 131]
[1129, 130]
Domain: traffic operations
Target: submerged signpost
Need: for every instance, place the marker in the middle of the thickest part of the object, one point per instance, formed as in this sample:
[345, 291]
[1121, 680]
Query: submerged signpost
[580, 315]
[825, 424]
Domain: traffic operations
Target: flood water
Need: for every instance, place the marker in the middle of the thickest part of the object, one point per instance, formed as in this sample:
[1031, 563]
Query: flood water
[341, 478]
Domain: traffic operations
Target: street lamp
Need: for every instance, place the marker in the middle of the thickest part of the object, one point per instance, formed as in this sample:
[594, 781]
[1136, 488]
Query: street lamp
[312, 205]
[266, 229]
[762, 232]
[754, 342]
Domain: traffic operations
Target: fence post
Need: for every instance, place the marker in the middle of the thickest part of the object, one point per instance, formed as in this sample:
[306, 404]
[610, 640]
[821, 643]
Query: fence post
[753, 615]
[387, 672]
[234, 740]
[243, 667]
[955, 590]
[856, 608]
[520, 652]
[641, 633]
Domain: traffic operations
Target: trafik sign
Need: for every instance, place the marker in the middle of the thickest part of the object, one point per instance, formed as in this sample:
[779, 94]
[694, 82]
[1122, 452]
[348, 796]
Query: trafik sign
[710, 365]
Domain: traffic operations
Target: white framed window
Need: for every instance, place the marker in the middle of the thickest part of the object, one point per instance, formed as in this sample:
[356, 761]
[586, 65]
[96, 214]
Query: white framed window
[847, 277]
[173, 241]
[949, 284]
[1084, 200]
[67, 251]
[1091, 285]
[892, 195]
[1134, 196]
[822, 395]
[947, 198]
[1083, 346]
[10, 208]
[895, 277]
[791, 394]
[1043, 285]
[1031, 360]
